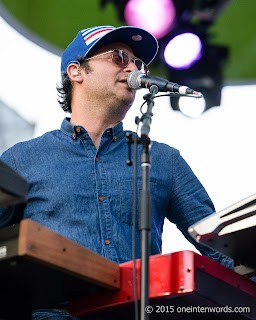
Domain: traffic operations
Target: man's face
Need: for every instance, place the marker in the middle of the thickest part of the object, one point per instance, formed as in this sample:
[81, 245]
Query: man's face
[107, 80]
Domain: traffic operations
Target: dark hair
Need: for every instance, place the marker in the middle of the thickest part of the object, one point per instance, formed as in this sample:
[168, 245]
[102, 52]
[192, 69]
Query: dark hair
[65, 88]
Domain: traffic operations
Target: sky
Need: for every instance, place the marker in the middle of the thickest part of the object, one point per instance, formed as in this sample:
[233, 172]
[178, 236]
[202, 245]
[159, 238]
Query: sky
[219, 146]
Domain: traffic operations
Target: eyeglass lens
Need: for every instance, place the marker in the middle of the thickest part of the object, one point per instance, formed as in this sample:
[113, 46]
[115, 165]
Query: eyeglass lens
[122, 59]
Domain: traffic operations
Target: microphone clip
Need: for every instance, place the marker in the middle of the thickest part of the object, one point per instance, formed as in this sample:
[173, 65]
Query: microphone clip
[148, 97]
[130, 140]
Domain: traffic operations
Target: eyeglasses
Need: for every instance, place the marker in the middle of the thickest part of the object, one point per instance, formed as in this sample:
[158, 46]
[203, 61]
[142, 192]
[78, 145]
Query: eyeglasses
[122, 59]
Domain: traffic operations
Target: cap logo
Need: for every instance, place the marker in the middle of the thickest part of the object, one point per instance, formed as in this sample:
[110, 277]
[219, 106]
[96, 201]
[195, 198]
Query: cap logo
[137, 37]
[95, 33]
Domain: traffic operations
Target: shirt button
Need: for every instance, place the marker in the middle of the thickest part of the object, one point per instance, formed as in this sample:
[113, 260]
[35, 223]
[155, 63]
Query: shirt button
[101, 198]
[107, 241]
[74, 135]
[78, 129]
[97, 159]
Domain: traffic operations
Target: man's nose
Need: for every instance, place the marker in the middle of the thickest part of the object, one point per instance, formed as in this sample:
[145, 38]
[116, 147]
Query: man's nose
[130, 67]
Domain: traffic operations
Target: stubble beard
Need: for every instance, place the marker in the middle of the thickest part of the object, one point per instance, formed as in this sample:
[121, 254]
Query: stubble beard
[116, 106]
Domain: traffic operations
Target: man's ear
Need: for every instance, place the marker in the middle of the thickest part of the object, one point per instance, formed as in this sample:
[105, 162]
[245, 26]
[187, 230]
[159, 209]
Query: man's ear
[74, 72]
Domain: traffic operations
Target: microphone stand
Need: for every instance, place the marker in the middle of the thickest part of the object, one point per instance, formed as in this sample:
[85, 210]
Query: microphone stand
[145, 202]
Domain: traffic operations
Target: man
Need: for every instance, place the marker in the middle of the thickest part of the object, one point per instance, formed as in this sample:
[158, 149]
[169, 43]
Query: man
[80, 184]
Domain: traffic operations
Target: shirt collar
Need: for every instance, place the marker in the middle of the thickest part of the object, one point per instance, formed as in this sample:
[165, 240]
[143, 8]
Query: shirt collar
[68, 128]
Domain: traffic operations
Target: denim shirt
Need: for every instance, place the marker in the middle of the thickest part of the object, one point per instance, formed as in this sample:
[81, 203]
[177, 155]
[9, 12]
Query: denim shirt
[86, 194]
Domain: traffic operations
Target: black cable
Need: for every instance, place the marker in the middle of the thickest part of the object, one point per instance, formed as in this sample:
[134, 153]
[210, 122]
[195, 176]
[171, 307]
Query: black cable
[171, 94]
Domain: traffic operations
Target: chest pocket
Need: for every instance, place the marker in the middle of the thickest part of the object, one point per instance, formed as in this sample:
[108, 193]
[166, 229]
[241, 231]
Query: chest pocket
[159, 200]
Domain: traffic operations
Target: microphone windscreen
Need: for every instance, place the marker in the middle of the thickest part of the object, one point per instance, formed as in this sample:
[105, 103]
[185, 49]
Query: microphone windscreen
[133, 79]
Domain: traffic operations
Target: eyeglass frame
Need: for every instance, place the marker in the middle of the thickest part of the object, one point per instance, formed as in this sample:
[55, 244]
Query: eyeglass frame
[130, 59]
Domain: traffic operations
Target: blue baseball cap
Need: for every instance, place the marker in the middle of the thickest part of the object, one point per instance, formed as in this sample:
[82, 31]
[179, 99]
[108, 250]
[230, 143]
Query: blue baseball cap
[143, 43]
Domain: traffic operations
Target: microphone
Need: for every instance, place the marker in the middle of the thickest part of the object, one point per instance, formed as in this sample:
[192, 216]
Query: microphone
[137, 80]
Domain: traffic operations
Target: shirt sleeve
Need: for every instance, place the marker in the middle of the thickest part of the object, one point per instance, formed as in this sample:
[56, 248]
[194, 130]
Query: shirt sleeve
[189, 204]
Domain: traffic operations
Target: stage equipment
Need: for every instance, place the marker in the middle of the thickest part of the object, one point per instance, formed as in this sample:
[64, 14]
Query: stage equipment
[231, 231]
[13, 187]
[41, 269]
[183, 285]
